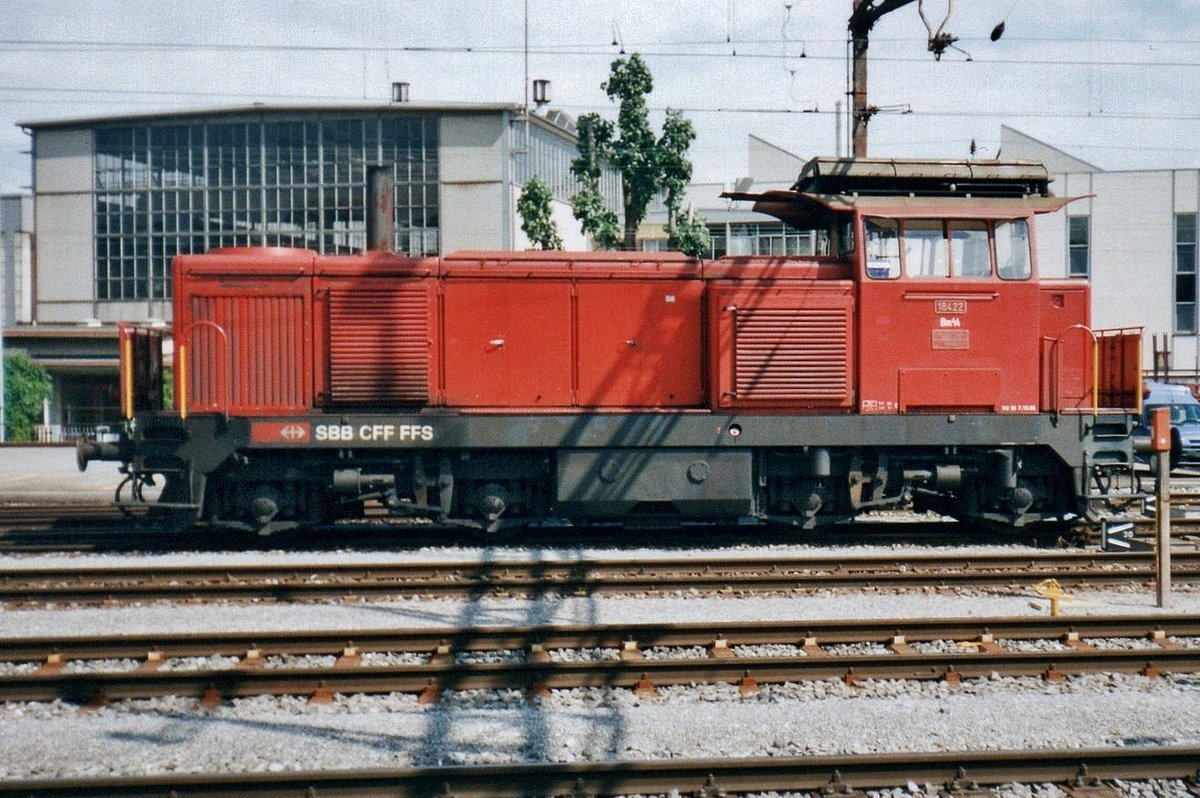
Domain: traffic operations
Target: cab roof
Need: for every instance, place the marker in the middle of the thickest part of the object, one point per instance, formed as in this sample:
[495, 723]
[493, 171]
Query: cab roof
[883, 177]
[910, 188]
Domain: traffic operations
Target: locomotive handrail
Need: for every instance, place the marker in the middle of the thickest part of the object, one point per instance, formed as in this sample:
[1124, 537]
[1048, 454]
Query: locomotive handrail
[1056, 358]
[127, 378]
[183, 372]
[1096, 336]
[131, 342]
[970, 296]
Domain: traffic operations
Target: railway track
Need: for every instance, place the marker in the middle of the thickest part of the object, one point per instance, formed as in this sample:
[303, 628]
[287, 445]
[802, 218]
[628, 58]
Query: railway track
[40, 516]
[94, 528]
[522, 658]
[325, 581]
[37, 528]
[75, 528]
[1081, 772]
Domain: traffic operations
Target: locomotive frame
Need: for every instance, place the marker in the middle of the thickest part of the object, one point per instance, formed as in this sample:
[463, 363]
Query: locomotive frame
[918, 361]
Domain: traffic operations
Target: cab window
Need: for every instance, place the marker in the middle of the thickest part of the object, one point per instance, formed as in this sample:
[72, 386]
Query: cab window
[845, 237]
[1012, 250]
[935, 248]
[925, 251]
[883, 248]
[969, 252]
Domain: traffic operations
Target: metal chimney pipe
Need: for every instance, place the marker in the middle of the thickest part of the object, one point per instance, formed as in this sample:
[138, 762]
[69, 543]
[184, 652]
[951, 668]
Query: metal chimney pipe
[381, 187]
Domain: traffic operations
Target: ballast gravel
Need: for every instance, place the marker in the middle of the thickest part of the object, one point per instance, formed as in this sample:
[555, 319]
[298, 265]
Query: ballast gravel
[275, 734]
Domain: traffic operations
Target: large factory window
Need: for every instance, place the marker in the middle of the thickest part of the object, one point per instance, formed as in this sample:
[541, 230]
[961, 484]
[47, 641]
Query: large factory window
[166, 189]
[1185, 272]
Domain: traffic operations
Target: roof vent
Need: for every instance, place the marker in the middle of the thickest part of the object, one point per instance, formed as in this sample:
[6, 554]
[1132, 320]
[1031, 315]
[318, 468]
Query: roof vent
[541, 92]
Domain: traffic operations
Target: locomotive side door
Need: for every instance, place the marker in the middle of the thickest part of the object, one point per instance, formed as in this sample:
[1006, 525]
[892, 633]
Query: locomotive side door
[943, 303]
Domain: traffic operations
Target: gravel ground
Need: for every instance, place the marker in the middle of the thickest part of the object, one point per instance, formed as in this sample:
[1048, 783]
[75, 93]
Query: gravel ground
[275, 734]
[426, 613]
[499, 554]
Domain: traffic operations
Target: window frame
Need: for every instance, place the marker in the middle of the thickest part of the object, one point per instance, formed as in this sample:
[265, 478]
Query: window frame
[187, 187]
[1079, 248]
[1186, 271]
[949, 259]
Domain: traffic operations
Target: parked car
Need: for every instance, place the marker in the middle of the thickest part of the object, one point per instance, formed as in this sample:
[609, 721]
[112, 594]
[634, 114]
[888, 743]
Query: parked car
[1185, 418]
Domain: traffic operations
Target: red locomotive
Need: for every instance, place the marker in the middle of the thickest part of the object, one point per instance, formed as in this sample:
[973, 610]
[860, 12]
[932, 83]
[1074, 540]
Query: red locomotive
[915, 359]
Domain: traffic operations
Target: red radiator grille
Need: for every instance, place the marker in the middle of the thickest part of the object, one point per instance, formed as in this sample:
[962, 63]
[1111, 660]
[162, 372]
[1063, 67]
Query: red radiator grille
[792, 354]
[379, 345]
[257, 364]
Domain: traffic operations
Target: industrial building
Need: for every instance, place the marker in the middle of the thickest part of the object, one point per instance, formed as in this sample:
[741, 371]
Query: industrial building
[116, 198]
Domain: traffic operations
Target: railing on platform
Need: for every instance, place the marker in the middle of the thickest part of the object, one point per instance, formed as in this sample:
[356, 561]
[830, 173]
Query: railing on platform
[1112, 378]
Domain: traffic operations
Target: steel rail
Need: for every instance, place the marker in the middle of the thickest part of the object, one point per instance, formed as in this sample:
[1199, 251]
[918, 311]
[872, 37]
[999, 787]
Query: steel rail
[214, 685]
[338, 580]
[957, 772]
[164, 645]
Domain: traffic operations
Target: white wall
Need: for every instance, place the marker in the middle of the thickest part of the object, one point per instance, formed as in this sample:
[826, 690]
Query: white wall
[1132, 250]
[16, 258]
[64, 216]
[471, 167]
[771, 164]
[65, 265]
[63, 161]
[560, 212]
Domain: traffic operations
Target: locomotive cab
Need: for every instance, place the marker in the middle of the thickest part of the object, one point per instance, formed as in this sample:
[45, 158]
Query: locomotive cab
[956, 327]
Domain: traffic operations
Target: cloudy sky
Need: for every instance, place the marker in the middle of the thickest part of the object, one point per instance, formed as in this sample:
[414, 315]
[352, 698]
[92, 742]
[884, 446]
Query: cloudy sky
[1114, 82]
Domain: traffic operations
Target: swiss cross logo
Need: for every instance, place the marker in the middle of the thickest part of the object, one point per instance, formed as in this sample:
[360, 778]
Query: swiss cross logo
[280, 431]
[293, 432]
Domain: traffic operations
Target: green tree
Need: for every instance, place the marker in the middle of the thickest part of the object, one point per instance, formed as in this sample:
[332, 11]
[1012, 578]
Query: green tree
[690, 236]
[685, 232]
[596, 219]
[534, 207]
[647, 165]
[634, 154]
[26, 385]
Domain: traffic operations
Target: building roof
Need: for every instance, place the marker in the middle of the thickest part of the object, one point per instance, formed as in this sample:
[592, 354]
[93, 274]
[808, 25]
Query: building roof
[1016, 144]
[263, 109]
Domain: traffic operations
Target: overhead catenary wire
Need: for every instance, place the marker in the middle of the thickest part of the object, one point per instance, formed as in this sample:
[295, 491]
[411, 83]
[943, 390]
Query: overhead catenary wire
[594, 50]
[692, 109]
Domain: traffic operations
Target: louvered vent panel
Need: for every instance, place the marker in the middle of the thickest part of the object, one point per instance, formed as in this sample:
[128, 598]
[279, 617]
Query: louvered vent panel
[792, 354]
[378, 346]
[208, 356]
[263, 342]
